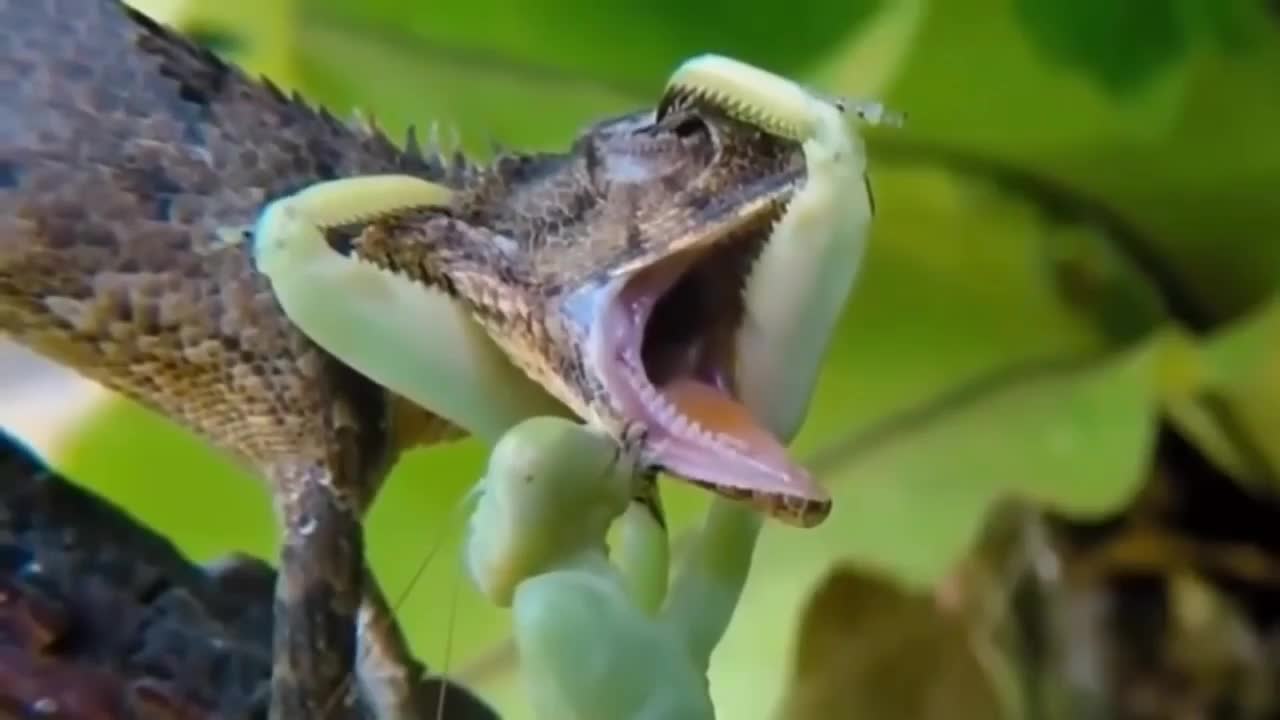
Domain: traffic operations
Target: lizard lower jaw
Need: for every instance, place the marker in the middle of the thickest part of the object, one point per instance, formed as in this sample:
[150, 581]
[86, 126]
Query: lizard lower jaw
[682, 393]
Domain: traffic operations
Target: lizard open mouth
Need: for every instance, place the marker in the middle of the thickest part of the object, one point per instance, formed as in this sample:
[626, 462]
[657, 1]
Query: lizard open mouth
[669, 359]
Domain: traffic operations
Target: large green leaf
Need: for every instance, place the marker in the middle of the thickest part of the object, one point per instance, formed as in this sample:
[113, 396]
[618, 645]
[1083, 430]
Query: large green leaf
[259, 35]
[1242, 397]
[1119, 45]
[1186, 156]
[1123, 45]
[482, 103]
[1072, 436]
[625, 45]
[170, 480]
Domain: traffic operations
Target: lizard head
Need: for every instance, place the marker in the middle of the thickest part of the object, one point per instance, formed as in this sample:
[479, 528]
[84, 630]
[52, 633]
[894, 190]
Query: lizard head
[640, 277]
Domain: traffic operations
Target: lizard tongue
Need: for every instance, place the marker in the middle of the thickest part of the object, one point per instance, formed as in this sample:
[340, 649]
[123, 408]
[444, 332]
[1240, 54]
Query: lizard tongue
[717, 412]
[716, 440]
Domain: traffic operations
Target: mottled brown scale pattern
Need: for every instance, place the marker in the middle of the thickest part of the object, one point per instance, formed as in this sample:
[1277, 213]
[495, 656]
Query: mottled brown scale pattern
[123, 150]
[102, 618]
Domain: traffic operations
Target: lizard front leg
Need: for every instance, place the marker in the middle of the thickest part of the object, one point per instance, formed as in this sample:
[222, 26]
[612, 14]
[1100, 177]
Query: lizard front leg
[317, 593]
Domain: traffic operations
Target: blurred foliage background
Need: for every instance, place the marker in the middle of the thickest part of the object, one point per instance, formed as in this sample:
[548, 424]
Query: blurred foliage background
[1051, 419]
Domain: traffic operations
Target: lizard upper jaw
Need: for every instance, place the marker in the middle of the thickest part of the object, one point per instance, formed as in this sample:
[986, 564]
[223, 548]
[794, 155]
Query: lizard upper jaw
[663, 348]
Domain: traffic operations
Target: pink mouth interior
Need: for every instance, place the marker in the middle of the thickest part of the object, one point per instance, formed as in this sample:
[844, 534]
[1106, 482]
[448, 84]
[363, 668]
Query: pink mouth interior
[697, 427]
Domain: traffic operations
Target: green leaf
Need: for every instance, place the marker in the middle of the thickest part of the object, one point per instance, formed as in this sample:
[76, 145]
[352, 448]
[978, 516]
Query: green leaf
[630, 46]
[1120, 45]
[870, 57]
[1072, 437]
[171, 481]
[481, 102]
[1238, 420]
[258, 36]
[974, 80]
[1187, 159]
[952, 286]
[1230, 26]
[1095, 277]
[1240, 354]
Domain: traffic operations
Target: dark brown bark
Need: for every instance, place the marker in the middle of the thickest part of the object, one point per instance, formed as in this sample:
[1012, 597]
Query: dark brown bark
[102, 618]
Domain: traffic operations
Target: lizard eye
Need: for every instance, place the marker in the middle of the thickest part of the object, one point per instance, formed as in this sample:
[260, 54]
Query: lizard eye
[688, 128]
[684, 125]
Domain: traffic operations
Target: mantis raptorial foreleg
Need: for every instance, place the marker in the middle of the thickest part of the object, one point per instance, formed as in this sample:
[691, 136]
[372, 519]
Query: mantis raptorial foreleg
[413, 339]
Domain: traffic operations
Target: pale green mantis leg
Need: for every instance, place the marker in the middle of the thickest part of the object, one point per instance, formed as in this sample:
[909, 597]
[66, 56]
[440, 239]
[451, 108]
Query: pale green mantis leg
[592, 643]
[410, 338]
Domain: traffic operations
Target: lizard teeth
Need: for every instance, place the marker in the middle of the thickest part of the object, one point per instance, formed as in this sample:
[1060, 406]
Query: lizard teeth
[665, 411]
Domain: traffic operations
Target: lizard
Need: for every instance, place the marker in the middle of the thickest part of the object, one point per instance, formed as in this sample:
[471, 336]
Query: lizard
[103, 617]
[125, 151]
